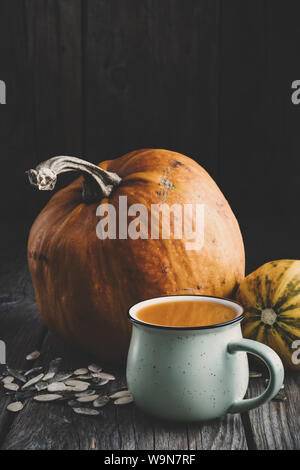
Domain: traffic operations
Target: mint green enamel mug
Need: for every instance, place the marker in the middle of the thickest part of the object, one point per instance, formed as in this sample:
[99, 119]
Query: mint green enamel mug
[195, 373]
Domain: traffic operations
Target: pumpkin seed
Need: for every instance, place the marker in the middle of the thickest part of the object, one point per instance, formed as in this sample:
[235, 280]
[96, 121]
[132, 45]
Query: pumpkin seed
[123, 401]
[56, 387]
[86, 411]
[55, 381]
[94, 368]
[34, 370]
[47, 397]
[65, 396]
[15, 406]
[82, 371]
[16, 374]
[8, 380]
[61, 376]
[74, 382]
[105, 376]
[101, 401]
[77, 384]
[78, 388]
[96, 375]
[12, 386]
[254, 374]
[120, 394]
[93, 443]
[97, 382]
[84, 377]
[33, 356]
[33, 381]
[87, 398]
[49, 376]
[41, 386]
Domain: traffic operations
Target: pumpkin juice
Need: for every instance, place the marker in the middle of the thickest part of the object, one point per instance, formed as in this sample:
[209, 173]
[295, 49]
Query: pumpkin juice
[186, 314]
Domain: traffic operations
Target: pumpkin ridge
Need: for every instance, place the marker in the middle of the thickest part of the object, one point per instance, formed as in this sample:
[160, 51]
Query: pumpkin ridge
[288, 320]
[258, 290]
[266, 331]
[247, 296]
[290, 272]
[253, 315]
[293, 288]
[286, 335]
[268, 286]
[289, 308]
[255, 330]
[289, 328]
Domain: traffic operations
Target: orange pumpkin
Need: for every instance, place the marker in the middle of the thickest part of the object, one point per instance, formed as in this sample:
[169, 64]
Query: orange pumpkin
[84, 285]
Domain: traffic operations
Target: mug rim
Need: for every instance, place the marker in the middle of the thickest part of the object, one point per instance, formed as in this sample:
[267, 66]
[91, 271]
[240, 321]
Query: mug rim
[135, 320]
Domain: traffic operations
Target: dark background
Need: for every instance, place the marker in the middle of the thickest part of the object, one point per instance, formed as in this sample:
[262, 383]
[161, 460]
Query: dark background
[207, 78]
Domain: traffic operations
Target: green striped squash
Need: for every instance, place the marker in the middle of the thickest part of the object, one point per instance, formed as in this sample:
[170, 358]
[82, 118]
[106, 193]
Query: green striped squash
[271, 299]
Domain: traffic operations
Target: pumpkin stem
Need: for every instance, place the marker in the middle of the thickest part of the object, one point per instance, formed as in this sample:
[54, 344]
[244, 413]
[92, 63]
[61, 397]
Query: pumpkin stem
[97, 182]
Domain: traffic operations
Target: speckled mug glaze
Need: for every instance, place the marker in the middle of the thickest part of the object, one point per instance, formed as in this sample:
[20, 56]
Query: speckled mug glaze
[195, 373]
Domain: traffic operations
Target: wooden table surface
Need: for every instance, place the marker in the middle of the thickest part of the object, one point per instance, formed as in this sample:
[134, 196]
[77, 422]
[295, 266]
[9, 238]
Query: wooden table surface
[55, 426]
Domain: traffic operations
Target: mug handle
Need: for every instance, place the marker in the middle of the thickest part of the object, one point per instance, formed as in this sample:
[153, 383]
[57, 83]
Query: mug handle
[276, 370]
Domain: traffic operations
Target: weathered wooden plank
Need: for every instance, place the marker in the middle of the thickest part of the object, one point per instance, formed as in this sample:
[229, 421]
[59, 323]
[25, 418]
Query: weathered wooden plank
[259, 142]
[41, 63]
[244, 164]
[21, 327]
[228, 433]
[15, 282]
[54, 51]
[22, 331]
[55, 58]
[258, 124]
[276, 425]
[282, 67]
[151, 433]
[151, 78]
[16, 125]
